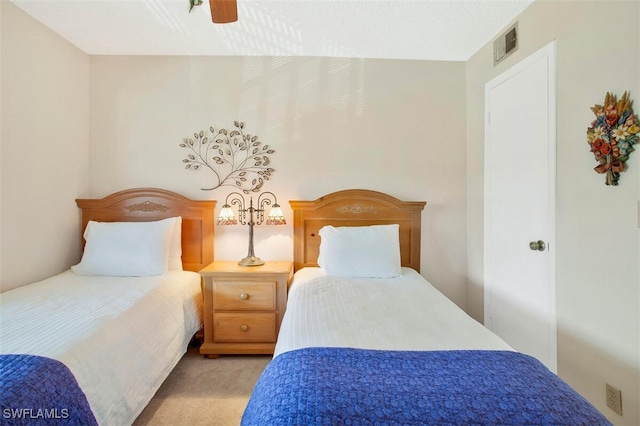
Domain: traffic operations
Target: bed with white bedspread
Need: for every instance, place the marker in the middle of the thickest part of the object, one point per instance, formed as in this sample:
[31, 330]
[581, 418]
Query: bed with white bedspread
[326, 311]
[367, 340]
[119, 336]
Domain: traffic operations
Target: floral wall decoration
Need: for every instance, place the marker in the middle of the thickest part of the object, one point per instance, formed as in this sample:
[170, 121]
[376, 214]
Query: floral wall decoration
[612, 135]
[234, 157]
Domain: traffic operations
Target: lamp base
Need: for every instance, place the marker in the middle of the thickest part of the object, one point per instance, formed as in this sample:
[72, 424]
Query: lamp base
[251, 261]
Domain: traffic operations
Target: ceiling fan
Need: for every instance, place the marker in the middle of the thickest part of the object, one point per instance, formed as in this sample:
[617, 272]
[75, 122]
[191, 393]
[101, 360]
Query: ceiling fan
[222, 11]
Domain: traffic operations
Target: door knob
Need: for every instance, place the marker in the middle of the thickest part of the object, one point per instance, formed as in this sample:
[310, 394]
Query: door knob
[537, 245]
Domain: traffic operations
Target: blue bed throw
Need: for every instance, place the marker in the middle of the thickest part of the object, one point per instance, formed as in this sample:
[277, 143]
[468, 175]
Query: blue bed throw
[345, 386]
[36, 390]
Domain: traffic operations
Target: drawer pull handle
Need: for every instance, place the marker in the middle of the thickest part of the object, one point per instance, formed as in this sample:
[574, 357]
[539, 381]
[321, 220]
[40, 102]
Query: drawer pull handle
[244, 296]
[244, 327]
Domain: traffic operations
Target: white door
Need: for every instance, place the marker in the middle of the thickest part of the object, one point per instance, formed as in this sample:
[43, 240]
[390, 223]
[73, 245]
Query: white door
[519, 206]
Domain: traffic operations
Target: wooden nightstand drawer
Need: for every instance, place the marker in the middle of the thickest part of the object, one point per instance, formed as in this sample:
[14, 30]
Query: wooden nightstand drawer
[243, 306]
[244, 295]
[244, 327]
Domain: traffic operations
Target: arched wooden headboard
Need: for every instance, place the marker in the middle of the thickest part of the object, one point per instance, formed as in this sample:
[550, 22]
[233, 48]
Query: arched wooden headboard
[147, 204]
[355, 207]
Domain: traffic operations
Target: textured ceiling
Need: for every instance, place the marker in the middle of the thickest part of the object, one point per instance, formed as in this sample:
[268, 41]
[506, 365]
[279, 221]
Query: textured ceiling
[446, 30]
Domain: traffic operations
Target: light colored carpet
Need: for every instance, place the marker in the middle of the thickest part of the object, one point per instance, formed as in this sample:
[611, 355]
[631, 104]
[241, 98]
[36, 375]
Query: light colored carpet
[203, 391]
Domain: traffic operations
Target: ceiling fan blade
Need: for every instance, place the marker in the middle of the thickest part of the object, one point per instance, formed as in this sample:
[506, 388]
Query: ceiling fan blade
[223, 11]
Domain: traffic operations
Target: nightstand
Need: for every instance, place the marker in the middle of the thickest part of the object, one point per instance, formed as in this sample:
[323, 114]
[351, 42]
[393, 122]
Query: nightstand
[243, 306]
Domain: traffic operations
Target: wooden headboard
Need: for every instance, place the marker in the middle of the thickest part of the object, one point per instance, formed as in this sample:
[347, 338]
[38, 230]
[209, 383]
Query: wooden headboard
[355, 207]
[146, 204]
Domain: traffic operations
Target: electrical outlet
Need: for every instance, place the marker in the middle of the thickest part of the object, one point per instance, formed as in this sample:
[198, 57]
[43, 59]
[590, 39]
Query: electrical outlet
[614, 399]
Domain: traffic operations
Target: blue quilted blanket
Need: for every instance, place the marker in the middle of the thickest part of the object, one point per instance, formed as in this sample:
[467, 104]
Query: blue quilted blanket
[343, 386]
[36, 390]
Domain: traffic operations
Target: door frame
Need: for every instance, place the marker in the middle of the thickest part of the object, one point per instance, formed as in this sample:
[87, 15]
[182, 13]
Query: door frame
[548, 51]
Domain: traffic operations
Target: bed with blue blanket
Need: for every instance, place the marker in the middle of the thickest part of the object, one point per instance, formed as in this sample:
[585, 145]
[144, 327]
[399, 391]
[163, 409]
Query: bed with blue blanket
[366, 340]
[340, 386]
[39, 390]
[93, 344]
[364, 352]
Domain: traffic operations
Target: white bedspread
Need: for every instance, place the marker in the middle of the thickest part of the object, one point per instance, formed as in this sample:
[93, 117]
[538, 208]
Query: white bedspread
[120, 336]
[404, 313]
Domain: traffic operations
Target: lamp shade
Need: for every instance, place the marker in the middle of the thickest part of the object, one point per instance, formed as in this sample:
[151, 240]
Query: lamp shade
[276, 217]
[226, 216]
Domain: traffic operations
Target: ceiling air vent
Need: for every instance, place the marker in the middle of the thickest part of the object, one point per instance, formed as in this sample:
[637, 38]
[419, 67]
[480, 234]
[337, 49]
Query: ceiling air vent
[506, 44]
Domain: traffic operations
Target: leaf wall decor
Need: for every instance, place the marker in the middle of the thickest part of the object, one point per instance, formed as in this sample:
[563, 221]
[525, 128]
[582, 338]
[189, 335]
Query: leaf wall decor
[236, 158]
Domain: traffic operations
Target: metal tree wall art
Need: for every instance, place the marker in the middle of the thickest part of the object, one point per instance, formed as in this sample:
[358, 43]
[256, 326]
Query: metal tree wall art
[236, 158]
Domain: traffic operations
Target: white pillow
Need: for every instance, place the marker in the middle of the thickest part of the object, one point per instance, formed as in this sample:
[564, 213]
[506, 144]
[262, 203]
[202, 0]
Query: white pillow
[131, 249]
[175, 248]
[360, 251]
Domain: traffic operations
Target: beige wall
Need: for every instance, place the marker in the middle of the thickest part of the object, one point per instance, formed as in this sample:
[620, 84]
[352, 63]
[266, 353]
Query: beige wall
[45, 130]
[388, 125]
[1, 138]
[393, 126]
[597, 226]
